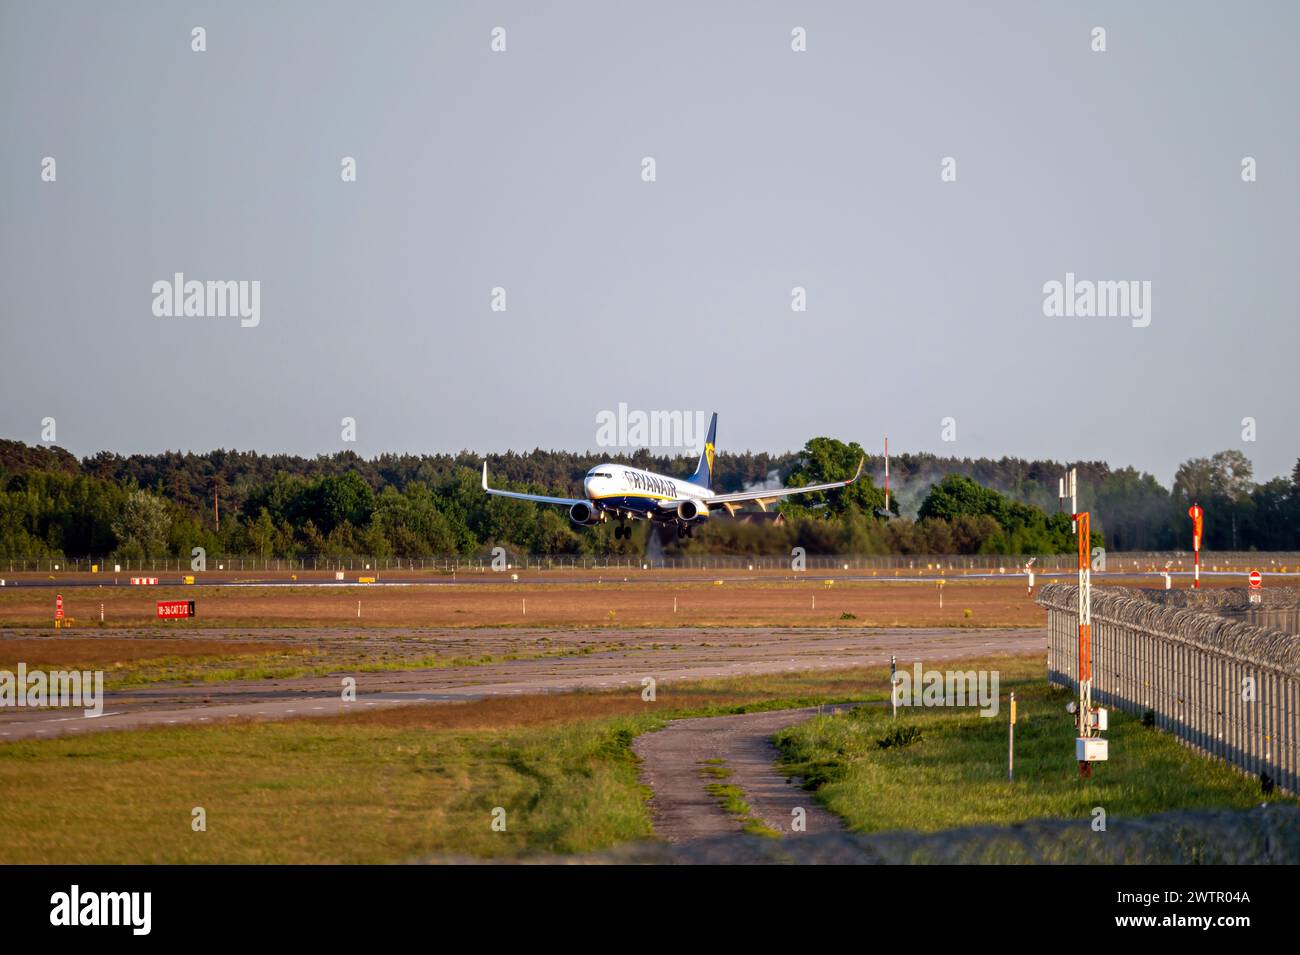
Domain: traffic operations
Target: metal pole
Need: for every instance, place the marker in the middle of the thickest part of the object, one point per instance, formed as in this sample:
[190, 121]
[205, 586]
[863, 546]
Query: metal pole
[893, 687]
[1011, 741]
[886, 475]
[1085, 634]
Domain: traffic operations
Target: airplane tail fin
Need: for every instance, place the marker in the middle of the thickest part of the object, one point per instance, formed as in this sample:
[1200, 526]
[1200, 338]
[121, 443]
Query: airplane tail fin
[703, 475]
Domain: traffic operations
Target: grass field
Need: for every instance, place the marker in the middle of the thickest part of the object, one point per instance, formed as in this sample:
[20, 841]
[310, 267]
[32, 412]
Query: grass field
[955, 773]
[380, 786]
[394, 784]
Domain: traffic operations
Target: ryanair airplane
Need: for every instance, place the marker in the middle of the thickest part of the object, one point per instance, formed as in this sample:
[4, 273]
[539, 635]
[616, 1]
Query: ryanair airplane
[626, 493]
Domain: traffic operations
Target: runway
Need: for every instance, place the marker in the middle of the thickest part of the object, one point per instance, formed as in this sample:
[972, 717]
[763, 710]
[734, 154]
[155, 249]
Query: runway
[667, 656]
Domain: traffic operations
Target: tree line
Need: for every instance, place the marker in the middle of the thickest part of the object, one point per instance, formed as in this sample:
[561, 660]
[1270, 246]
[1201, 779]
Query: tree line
[53, 504]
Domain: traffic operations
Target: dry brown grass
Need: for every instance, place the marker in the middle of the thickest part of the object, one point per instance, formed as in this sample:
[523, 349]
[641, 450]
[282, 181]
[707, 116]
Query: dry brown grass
[85, 652]
[641, 601]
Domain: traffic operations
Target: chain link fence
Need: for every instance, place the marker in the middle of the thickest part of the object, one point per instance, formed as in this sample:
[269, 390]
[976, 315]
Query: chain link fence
[1144, 562]
[1213, 667]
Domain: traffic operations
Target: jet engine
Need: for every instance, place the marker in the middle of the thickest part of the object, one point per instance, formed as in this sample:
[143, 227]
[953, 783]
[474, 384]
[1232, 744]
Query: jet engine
[585, 513]
[689, 510]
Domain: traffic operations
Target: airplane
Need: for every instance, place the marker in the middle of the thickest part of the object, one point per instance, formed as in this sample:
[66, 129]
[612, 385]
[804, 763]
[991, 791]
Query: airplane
[629, 494]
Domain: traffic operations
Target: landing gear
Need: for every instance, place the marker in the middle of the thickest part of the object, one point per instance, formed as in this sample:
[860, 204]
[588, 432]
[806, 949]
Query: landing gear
[622, 532]
[683, 531]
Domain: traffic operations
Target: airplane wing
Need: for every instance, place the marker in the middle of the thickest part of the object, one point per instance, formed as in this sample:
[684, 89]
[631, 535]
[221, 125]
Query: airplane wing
[540, 498]
[768, 496]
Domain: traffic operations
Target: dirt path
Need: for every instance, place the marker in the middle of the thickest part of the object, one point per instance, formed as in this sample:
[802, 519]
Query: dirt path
[674, 763]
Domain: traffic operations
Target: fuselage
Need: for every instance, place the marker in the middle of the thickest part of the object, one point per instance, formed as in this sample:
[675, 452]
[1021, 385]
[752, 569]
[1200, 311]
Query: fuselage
[621, 488]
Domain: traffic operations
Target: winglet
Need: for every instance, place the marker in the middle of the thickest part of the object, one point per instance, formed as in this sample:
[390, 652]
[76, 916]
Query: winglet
[485, 487]
[862, 462]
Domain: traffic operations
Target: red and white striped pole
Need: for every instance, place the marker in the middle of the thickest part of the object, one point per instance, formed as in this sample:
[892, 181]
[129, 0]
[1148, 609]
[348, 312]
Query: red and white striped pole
[1084, 524]
[1197, 514]
[886, 475]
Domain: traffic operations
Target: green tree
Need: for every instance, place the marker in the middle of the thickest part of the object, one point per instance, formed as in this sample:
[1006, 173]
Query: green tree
[143, 524]
[261, 533]
[824, 460]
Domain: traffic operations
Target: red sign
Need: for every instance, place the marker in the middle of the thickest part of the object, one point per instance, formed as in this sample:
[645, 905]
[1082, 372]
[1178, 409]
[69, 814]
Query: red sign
[1256, 579]
[58, 606]
[172, 609]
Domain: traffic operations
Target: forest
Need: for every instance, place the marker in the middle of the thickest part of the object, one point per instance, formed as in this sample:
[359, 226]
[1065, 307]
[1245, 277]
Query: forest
[53, 504]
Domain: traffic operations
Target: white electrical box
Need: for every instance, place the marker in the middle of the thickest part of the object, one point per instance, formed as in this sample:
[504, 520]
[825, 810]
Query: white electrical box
[1090, 750]
[1100, 720]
